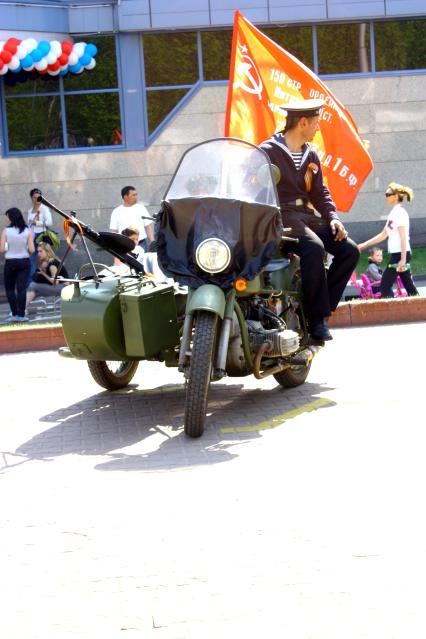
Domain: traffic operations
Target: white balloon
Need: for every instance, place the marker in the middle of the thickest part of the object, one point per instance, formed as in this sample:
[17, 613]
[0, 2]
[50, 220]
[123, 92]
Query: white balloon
[22, 50]
[2, 43]
[4, 69]
[50, 72]
[79, 49]
[42, 65]
[14, 63]
[31, 68]
[78, 72]
[91, 64]
[63, 68]
[31, 44]
[73, 58]
[55, 46]
[51, 57]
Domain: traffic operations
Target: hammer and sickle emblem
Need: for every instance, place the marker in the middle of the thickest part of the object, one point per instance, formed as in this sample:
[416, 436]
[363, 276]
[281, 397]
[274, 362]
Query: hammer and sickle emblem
[248, 76]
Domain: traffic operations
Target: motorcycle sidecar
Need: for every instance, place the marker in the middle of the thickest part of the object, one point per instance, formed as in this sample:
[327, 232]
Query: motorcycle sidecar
[118, 321]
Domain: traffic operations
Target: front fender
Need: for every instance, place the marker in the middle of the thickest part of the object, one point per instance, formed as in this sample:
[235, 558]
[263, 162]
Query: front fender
[206, 298]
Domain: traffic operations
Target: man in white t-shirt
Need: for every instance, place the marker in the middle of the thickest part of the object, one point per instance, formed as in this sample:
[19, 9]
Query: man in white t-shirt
[132, 213]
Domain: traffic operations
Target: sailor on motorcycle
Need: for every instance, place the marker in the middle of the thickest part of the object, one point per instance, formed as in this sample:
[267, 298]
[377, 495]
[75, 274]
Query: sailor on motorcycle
[307, 207]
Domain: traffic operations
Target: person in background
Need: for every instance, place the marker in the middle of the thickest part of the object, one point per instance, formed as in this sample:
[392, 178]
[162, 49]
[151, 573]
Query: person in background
[397, 232]
[308, 208]
[374, 272]
[39, 219]
[44, 280]
[132, 213]
[133, 234]
[17, 243]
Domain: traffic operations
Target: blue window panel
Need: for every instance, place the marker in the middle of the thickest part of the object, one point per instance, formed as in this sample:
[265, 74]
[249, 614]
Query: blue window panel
[221, 18]
[15, 16]
[178, 6]
[87, 19]
[220, 5]
[307, 5]
[182, 20]
[134, 22]
[359, 9]
[288, 11]
[134, 15]
[129, 7]
[405, 7]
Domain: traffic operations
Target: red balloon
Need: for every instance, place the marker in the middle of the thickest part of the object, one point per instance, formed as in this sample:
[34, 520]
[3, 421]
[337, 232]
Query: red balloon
[42, 72]
[11, 45]
[55, 66]
[6, 56]
[1, 64]
[67, 47]
[63, 59]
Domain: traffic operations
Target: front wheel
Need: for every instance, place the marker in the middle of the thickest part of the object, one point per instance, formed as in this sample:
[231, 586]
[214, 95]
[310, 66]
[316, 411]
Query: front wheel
[199, 373]
[112, 375]
[291, 377]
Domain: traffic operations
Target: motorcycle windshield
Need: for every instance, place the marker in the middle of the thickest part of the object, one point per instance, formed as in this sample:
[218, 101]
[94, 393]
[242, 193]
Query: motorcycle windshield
[226, 168]
[222, 189]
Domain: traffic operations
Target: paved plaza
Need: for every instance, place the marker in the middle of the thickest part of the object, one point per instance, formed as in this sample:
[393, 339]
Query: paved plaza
[298, 514]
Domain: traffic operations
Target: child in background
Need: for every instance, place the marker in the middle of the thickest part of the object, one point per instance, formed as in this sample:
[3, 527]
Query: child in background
[133, 234]
[374, 272]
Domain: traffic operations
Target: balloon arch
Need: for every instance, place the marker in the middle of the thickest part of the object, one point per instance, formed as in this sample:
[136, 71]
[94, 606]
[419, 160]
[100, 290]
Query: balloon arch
[54, 57]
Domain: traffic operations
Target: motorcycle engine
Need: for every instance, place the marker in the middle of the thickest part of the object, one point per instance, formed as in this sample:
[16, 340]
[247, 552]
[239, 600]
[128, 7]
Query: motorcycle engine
[283, 342]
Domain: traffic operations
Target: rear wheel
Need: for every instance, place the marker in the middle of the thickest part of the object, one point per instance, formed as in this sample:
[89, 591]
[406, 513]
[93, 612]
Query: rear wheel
[199, 373]
[112, 375]
[292, 377]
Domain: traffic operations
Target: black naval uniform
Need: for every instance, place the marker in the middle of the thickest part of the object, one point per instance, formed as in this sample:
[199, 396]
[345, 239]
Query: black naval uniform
[322, 291]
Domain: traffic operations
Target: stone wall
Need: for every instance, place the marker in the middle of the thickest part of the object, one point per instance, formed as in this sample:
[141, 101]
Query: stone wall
[389, 112]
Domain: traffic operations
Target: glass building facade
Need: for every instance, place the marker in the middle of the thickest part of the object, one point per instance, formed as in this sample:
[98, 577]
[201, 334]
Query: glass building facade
[94, 110]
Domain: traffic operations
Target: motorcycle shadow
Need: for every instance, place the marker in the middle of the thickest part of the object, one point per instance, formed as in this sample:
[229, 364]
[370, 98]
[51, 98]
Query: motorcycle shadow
[142, 429]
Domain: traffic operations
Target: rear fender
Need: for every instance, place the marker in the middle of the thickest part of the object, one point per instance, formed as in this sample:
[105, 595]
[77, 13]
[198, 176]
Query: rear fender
[207, 298]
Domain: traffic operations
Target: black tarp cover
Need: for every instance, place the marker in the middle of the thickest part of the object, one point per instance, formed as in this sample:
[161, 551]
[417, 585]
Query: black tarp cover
[250, 230]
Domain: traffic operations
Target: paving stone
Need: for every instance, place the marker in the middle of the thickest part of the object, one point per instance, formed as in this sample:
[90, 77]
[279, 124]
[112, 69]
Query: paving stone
[115, 524]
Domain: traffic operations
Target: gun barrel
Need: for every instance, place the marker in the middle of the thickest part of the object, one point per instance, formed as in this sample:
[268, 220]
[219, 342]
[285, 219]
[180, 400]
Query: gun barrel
[102, 240]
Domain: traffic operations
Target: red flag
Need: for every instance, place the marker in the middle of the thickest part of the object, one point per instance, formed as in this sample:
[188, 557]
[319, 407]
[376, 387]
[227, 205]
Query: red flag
[264, 77]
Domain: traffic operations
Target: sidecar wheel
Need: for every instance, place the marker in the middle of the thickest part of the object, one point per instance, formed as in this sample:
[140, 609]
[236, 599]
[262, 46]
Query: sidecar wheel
[292, 377]
[199, 373]
[112, 375]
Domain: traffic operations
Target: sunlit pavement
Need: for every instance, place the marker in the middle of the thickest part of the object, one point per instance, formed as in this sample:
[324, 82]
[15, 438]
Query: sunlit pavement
[299, 513]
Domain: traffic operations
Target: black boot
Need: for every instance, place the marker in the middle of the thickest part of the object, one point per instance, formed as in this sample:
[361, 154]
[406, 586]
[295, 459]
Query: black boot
[319, 330]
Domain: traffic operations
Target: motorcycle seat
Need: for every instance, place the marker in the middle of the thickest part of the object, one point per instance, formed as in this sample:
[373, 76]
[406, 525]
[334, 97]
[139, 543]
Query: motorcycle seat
[276, 265]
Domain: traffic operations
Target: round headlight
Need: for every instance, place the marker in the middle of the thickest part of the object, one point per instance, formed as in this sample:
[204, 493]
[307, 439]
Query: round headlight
[213, 255]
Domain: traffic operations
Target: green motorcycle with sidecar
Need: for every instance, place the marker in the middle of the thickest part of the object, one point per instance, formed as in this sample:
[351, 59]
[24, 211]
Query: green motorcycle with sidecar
[224, 296]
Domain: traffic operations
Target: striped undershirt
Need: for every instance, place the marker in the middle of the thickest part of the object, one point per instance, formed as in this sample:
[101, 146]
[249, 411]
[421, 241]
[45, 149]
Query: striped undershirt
[297, 159]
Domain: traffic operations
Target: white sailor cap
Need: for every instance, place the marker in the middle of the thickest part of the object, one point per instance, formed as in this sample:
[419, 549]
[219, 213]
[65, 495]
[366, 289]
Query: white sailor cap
[303, 108]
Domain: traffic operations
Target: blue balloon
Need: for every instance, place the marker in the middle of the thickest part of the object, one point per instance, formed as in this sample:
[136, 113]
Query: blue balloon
[85, 59]
[36, 55]
[44, 47]
[63, 72]
[27, 61]
[74, 68]
[91, 49]
[16, 70]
